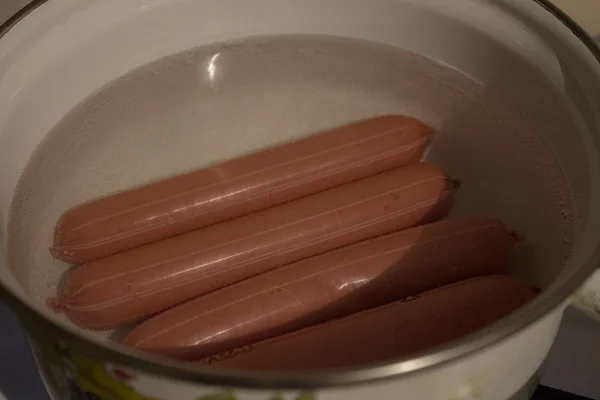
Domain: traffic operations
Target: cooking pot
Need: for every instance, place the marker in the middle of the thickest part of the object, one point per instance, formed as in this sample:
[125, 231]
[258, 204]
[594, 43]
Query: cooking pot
[512, 87]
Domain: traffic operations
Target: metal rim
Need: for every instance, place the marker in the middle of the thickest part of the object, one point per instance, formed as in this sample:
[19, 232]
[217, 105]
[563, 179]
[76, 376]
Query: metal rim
[400, 368]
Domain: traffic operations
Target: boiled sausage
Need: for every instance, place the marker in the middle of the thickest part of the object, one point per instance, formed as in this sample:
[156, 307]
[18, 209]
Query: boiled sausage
[389, 332]
[358, 277]
[238, 187]
[133, 284]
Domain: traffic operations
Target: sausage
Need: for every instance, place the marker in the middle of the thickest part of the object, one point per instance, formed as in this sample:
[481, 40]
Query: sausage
[142, 281]
[238, 187]
[358, 277]
[389, 332]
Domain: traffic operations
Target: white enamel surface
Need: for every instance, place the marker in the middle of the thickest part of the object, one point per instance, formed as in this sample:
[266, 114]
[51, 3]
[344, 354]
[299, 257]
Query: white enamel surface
[102, 51]
[584, 12]
[67, 49]
[106, 37]
[493, 374]
[587, 299]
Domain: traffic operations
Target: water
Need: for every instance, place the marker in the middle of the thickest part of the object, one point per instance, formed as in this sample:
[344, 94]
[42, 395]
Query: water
[221, 101]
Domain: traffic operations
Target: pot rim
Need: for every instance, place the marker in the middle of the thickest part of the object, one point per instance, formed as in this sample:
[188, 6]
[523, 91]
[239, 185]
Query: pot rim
[436, 357]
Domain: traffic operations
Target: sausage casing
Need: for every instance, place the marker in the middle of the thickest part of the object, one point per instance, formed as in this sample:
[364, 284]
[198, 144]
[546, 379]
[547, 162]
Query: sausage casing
[142, 281]
[238, 187]
[389, 332]
[332, 285]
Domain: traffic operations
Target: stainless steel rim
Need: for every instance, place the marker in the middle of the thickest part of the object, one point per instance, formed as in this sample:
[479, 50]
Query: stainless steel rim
[549, 301]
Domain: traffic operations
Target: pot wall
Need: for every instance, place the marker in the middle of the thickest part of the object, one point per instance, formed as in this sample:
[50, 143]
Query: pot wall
[496, 373]
[37, 58]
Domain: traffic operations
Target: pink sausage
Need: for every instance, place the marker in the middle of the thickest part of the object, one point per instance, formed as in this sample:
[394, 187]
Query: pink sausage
[358, 277]
[140, 282]
[386, 333]
[238, 187]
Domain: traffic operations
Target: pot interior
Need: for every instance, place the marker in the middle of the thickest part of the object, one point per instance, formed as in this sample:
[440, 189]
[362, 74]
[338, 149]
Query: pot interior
[78, 130]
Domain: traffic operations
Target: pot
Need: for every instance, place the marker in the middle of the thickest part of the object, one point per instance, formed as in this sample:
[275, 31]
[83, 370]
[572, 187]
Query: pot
[86, 108]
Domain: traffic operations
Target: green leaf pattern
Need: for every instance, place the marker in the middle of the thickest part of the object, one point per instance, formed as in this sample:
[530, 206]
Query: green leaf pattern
[306, 396]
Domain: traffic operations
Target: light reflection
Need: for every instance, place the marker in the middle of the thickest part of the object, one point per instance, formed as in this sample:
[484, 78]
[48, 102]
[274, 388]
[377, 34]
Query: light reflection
[224, 331]
[352, 283]
[16, 93]
[212, 67]
[203, 202]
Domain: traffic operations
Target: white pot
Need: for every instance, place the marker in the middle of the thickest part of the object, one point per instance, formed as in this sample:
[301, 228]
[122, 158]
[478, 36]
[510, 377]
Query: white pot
[521, 52]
